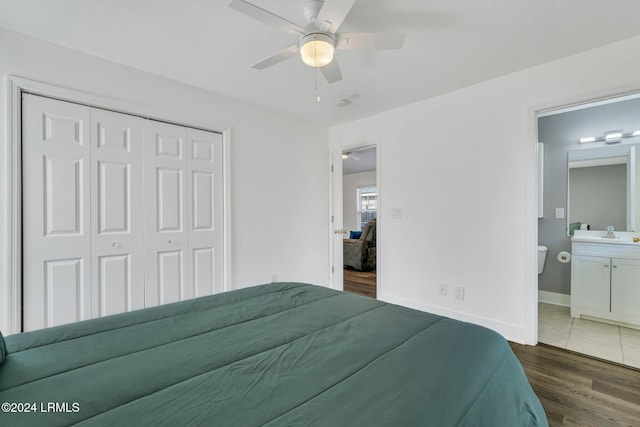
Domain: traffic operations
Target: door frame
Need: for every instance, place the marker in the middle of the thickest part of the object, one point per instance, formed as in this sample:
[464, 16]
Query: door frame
[554, 106]
[336, 220]
[11, 185]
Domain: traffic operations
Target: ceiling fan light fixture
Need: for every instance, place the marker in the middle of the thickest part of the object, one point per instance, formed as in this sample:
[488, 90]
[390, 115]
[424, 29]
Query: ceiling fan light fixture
[317, 49]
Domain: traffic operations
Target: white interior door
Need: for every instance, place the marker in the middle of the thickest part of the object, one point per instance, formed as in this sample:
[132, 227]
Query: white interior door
[204, 204]
[183, 213]
[116, 213]
[119, 212]
[56, 212]
[166, 246]
[337, 221]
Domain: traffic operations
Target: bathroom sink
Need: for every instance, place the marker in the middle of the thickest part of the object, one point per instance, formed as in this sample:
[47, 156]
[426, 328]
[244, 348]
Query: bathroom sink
[598, 236]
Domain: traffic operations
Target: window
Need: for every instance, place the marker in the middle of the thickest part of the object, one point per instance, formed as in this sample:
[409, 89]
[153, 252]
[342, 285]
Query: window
[367, 204]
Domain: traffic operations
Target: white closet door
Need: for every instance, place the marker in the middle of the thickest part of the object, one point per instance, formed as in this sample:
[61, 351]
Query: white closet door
[56, 212]
[166, 231]
[183, 213]
[119, 213]
[117, 262]
[205, 211]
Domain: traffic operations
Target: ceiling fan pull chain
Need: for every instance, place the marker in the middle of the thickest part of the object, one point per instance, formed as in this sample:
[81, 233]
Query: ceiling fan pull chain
[316, 84]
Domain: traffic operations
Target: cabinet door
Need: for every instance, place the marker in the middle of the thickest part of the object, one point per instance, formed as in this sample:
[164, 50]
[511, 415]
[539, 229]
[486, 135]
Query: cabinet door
[590, 282]
[625, 287]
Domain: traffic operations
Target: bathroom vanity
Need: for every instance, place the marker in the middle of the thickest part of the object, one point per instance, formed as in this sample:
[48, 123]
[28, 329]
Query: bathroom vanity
[605, 277]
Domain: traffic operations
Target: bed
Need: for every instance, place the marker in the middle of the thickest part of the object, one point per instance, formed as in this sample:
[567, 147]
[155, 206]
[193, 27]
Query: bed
[281, 354]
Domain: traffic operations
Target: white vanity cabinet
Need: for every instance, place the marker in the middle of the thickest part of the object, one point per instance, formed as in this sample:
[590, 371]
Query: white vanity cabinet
[590, 284]
[625, 287]
[605, 281]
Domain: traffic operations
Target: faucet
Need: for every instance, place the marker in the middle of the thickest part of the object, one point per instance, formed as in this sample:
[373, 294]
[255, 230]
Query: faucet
[610, 234]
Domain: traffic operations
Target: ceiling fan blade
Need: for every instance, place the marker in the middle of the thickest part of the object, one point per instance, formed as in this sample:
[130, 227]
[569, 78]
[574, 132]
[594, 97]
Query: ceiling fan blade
[276, 57]
[266, 17]
[352, 41]
[332, 14]
[331, 72]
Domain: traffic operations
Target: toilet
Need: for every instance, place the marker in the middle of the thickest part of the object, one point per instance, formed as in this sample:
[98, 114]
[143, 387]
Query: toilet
[542, 255]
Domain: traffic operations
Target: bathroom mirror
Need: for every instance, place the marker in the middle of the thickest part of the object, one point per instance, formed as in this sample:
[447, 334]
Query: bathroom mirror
[602, 188]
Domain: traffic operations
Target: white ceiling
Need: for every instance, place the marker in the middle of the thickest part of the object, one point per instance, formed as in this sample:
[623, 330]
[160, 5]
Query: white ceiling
[449, 44]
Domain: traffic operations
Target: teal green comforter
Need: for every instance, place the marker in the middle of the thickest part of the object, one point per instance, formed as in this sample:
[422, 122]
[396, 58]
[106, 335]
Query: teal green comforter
[282, 354]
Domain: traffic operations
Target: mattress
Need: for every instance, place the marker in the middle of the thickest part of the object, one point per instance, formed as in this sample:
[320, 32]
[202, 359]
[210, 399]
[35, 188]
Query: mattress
[281, 354]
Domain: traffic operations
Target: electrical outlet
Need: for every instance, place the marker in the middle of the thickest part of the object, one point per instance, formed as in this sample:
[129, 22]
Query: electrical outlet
[459, 292]
[442, 289]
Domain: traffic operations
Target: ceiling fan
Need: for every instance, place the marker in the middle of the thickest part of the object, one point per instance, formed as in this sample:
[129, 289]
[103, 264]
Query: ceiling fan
[319, 38]
[349, 155]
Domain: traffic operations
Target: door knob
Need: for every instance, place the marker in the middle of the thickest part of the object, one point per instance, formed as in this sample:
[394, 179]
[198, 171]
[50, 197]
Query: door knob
[339, 231]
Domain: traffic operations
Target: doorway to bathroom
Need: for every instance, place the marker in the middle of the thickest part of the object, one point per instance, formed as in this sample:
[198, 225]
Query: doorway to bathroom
[590, 182]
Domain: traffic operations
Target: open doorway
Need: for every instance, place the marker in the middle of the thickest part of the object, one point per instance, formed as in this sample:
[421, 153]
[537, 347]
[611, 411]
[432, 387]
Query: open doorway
[587, 285]
[360, 205]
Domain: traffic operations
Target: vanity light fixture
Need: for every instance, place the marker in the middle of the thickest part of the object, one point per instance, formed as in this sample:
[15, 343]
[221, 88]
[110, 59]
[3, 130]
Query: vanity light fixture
[587, 139]
[613, 137]
[610, 137]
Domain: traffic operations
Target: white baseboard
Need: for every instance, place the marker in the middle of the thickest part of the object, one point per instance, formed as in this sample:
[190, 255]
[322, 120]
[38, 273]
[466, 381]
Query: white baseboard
[511, 332]
[554, 298]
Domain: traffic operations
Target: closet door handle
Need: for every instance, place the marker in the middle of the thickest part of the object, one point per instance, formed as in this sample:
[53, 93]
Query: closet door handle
[615, 266]
[606, 266]
[115, 244]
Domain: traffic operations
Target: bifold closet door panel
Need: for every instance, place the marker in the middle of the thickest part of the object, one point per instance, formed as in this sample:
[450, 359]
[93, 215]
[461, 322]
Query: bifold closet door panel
[117, 262]
[205, 207]
[56, 215]
[119, 212]
[183, 213]
[82, 212]
[165, 200]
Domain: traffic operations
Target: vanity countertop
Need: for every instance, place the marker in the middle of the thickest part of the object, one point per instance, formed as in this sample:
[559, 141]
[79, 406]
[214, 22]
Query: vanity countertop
[596, 236]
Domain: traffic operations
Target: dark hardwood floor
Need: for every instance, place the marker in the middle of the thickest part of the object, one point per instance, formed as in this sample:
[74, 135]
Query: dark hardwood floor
[576, 390]
[360, 282]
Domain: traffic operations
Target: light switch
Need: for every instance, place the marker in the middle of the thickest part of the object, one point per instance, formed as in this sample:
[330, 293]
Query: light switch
[559, 213]
[396, 213]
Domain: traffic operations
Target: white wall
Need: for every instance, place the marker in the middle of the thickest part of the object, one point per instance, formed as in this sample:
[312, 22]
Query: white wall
[462, 168]
[350, 184]
[278, 203]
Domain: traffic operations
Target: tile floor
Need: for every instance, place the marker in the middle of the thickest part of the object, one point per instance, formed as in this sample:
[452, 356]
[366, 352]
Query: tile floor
[618, 344]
